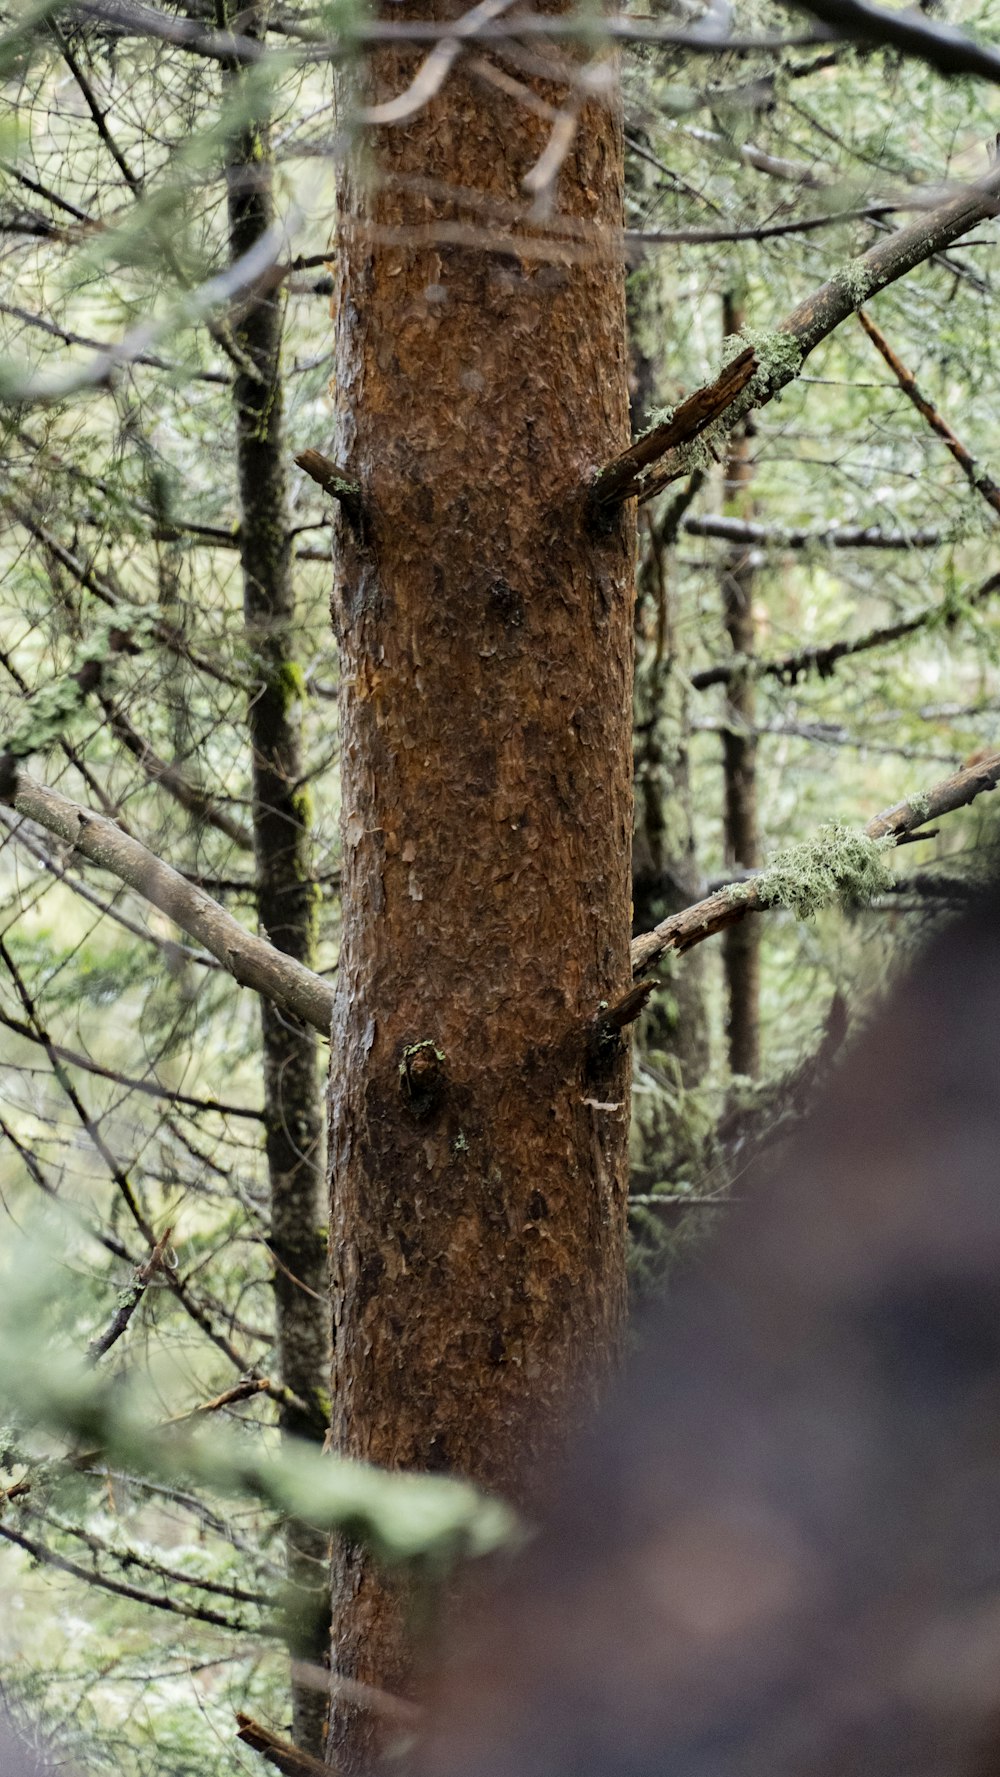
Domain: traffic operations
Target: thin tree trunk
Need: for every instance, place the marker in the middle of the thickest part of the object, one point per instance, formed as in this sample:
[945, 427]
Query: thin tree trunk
[478, 1115]
[285, 898]
[741, 943]
[664, 865]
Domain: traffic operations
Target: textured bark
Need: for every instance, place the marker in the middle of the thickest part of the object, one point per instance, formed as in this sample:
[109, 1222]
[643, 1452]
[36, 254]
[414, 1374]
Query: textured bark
[478, 1121]
[293, 1114]
[741, 943]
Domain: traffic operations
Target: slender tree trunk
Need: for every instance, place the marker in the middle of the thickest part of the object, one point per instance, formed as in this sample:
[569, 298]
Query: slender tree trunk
[478, 1116]
[665, 875]
[285, 901]
[741, 944]
[668, 1140]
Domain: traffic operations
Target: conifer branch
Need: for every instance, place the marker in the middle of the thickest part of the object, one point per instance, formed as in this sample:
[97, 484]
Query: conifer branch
[767, 365]
[250, 960]
[681, 931]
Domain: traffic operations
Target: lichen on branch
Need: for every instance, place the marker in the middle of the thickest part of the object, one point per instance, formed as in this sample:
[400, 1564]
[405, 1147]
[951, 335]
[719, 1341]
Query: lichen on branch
[838, 864]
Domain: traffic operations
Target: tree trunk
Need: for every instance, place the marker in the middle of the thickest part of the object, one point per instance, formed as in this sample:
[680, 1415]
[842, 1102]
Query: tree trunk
[293, 1108]
[479, 1113]
[741, 943]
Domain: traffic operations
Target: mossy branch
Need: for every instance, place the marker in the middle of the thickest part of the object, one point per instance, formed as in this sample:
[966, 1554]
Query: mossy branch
[838, 864]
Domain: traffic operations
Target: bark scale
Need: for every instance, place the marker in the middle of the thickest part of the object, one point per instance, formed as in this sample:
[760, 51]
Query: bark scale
[293, 1105]
[478, 1121]
[741, 943]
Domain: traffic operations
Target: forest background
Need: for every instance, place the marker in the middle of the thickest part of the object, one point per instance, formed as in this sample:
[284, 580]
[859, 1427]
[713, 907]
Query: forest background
[815, 642]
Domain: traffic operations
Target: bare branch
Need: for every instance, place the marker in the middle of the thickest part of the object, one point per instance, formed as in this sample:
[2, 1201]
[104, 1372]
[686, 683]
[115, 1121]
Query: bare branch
[247, 275]
[942, 45]
[983, 484]
[750, 534]
[290, 1760]
[789, 668]
[91, 1577]
[251, 961]
[190, 796]
[133, 1296]
[129, 18]
[130, 1083]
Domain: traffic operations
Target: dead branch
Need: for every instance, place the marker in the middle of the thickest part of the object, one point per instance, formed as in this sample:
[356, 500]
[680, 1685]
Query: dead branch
[662, 454]
[789, 668]
[290, 1760]
[753, 535]
[251, 961]
[983, 484]
[942, 45]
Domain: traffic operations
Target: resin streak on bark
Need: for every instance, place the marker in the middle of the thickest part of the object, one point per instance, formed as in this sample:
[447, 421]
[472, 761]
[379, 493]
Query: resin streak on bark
[477, 1136]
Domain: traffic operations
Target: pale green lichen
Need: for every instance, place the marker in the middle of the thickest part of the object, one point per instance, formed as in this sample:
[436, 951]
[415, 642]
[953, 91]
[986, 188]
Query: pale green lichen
[657, 417]
[857, 281]
[775, 350]
[920, 806]
[839, 864]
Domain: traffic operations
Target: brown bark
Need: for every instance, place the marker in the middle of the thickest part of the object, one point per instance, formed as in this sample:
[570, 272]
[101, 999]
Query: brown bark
[478, 1121]
[741, 944]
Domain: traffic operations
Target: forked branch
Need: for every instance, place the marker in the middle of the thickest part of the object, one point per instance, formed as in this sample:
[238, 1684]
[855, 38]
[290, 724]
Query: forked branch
[758, 374]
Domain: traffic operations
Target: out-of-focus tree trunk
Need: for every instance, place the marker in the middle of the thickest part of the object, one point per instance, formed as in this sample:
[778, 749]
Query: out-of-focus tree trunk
[479, 1111]
[741, 943]
[672, 1038]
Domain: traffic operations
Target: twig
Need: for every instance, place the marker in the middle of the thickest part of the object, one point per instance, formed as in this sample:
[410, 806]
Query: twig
[255, 271]
[196, 1613]
[983, 484]
[241, 1391]
[190, 796]
[130, 1082]
[127, 1307]
[732, 903]
[435, 68]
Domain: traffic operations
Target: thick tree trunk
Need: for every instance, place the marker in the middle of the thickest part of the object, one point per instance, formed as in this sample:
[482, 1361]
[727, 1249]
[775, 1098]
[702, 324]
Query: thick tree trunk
[741, 943]
[293, 1105]
[479, 1121]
